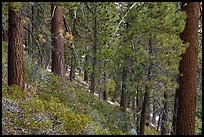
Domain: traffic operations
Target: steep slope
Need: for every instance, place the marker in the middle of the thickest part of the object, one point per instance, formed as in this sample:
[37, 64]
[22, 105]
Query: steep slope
[55, 106]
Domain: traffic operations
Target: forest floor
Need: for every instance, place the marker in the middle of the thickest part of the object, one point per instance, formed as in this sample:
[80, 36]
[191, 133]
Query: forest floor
[57, 107]
[79, 80]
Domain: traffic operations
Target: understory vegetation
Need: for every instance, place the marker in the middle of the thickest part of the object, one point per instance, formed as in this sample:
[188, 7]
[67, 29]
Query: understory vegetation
[55, 106]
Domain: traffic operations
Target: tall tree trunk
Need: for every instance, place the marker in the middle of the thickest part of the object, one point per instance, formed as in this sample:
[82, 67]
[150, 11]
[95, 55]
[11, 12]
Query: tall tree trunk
[57, 25]
[148, 111]
[133, 109]
[164, 128]
[128, 92]
[143, 113]
[28, 38]
[128, 101]
[188, 69]
[138, 109]
[86, 72]
[124, 89]
[93, 74]
[100, 80]
[72, 69]
[173, 131]
[117, 84]
[33, 16]
[15, 48]
[124, 98]
[33, 29]
[146, 104]
[73, 60]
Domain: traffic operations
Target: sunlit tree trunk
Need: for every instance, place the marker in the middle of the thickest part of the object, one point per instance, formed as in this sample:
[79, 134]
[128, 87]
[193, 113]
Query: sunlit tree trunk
[73, 60]
[86, 72]
[15, 48]
[57, 25]
[146, 102]
[138, 109]
[124, 89]
[93, 74]
[159, 122]
[154, 114]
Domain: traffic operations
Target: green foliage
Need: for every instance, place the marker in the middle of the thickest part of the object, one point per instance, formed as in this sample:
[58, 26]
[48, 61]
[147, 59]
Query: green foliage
[200, 50]
[198, 119]
[80, 101]
[150, 131]
[58, 107]
[15, 6]
[34, 71]
[112, 131]
[39, 116]
[161, 27]
[198, 130]
[110, 87]
[4, 62]
[5, 9]
[52, 105]
[14, 93]
[4, 53]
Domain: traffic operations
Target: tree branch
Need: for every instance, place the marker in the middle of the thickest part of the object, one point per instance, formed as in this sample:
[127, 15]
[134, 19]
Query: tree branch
[67, 28]
[109, 43]
[53, 12]
[88, 8]
[123, 19]
[34, 40]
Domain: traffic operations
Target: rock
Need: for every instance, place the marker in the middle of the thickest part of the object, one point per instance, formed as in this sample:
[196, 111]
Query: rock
[133, 131]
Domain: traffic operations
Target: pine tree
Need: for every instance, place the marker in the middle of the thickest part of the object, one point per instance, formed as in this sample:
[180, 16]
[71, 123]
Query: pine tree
[94, 59]
[15, 46]
[164, 119]
[57, 32]
[188, 72]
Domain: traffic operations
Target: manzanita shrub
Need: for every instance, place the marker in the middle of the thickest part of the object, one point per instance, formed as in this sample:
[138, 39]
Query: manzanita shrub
[39, 116]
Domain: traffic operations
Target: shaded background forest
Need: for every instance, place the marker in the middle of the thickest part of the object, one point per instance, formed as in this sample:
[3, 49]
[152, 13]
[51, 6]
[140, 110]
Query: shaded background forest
[132, 55]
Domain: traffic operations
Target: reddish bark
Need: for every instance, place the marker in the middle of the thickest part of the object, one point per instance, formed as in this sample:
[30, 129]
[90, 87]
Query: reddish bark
[15, 49]
[57, 25]
[188, 72]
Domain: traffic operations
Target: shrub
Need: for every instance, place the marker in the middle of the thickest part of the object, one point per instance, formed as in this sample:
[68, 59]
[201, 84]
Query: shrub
[38, 116]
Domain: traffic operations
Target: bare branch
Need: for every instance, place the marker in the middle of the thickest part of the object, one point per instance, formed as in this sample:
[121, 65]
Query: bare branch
[88, 8]
[68, 29]
[53, 12]
[34, 40]
[123, 19]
